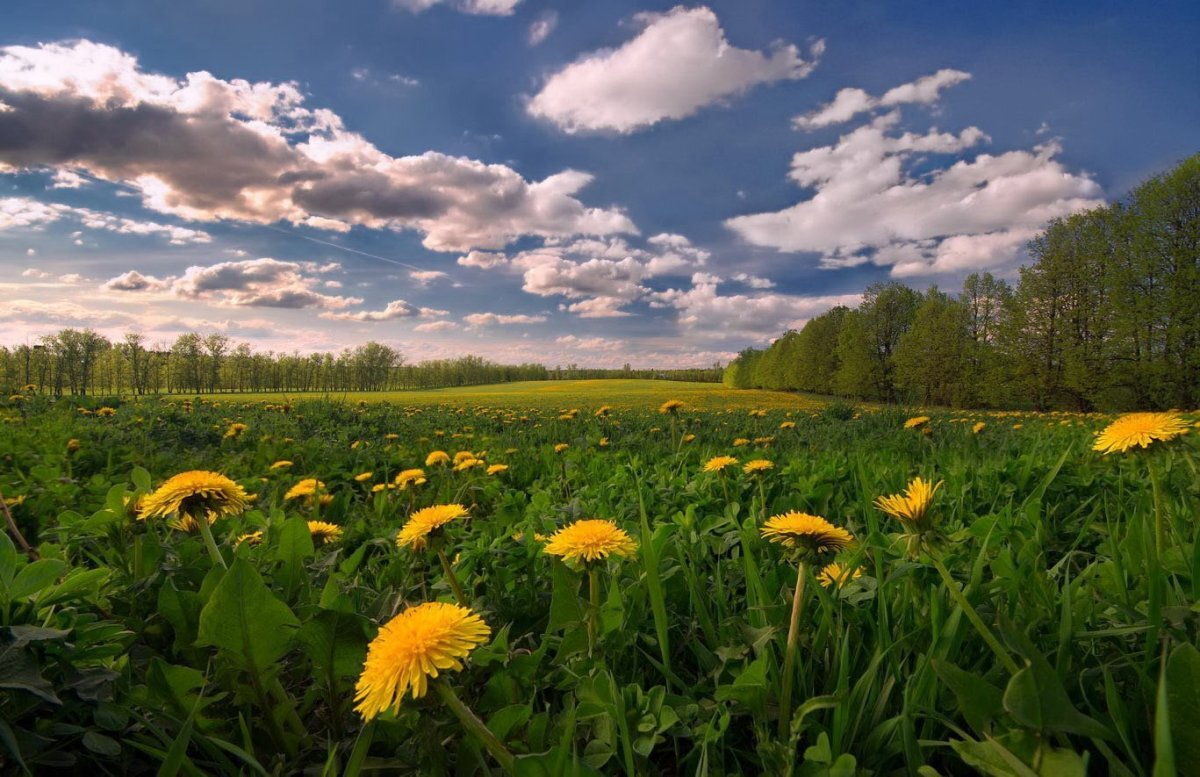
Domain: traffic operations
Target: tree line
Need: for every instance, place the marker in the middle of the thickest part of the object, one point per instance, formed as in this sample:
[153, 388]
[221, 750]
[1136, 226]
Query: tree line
[1106, 315]
[82, 361]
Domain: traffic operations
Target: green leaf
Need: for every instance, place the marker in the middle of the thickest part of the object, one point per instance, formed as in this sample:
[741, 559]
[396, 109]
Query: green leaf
[1036, 699]
[565, 609]
[749, 687]
[36, 576]
[244, 619]
[182, 611]
[294, 547]
[99, 743]
[979, 701]
[141, 479]
[504, 720]
[1182, 679]
[336, 642]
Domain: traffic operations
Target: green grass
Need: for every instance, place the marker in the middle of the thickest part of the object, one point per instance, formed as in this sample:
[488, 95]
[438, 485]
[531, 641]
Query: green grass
[1045, 626]
[562, 393]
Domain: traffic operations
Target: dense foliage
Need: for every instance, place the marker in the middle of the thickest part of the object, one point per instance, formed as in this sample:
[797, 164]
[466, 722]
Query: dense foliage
[78, 362]
[1106, 315]
[1042, 622]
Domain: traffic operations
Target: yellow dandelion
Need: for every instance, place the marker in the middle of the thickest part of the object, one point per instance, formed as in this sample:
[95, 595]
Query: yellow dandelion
[788, 425]
[72, 445]
[911, 506]
[835, 574]
[307, 487]
[809, 533]
[740, 442]
[281, 464]
[437, 458]
[462, 456]
[719, 463]
[467, 464]
[590, 540]
[603, 442]
[410, 477]
[689, 438]
[322, 531]
[496, 469]
[196, 492]
[106, 412]
[235, 430]
[757, 466]
[416, 645]
[603, 411]
[363, 477]
[978, 427]
[562, 446]
[250, 538]
[187, 523]
[428, 522]
[916, 421]
[1139, 430]
[671, 407]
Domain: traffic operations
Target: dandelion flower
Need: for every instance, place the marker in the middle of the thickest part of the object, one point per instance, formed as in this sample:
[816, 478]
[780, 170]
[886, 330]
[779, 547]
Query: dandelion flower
[1138, 430]
[496, 469]
[307, 487]
[603, 411]
[324, 532]
[788, 425]
[462, 456]
[437, 458]
[835, 574]
[416, 645]
[250, 538]
[425, 522]
[282, 464]
[978, 427]
[671, 407]
[590, 540]
[916, 421]
[410, 477]
[186, 523]
[196, 492]
[757, 466]
[911, 506]
[105, 412]
[235, 431]
[809, 533]
[719, 463]
[363, 477]
[562, 446]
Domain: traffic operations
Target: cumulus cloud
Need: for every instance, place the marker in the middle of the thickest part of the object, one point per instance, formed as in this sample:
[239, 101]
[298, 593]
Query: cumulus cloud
[426, 277]
[33, 272]
[590, 343]
[25, 212]
[394, 310]
[679, 63]
[436, 326]
[484, 260]
[865, 206]
[246, 283]
[703, 310]
[473, 7]
[850, 102]
[753, 281]
[604, 276]
[18, 212]
[542, 27]
[205, 149]
[477, 320]
[67, 179]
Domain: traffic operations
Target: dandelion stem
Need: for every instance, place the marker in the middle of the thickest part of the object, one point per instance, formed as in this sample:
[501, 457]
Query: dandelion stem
[449, 570]
[1159, 510]
[16, 532]
[475, 726]
[593, 609]
[206, 532]
[957, 595]
[789, 656]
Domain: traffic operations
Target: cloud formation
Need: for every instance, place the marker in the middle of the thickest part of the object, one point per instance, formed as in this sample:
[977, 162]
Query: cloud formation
[394, 310]
[850, 102]
[206, 149]
[473, 7]
[679, 63]
[865, 206]
[477, 320]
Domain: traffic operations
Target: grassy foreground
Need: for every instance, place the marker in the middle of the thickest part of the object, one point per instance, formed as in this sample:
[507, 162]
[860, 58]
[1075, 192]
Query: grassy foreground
[568, 393]
[1038, 618]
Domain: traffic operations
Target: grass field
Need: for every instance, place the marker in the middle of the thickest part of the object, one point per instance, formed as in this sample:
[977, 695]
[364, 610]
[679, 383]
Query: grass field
[1032, 614]
[583, 393]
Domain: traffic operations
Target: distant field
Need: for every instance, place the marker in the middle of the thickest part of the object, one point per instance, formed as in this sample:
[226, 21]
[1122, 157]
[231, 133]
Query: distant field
[589, 393]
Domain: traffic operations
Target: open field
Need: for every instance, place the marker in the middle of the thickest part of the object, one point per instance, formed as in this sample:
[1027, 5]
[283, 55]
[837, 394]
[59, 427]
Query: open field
[1033, 615]
[582, 393]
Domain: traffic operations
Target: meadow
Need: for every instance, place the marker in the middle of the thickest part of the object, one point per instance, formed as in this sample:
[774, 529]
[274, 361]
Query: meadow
[402, 586]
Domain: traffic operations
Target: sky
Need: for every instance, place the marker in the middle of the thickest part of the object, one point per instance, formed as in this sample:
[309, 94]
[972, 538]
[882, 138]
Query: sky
[588, 183]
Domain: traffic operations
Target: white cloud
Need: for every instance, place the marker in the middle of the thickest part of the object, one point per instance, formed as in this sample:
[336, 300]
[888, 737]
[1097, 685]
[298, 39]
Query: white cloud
[542, 27]
[974, 213]
[484, 260]
[426, 277]
[135, 281]
[704, 312]
[753, 281]
[476, 320]
[34, 272]
[208, 149]
[175, 235]
[21, 212]
[67, 179]
[850, 102]
[436, 326]
[394, 309]
[590, 343]
[679, 63]
[473, 7]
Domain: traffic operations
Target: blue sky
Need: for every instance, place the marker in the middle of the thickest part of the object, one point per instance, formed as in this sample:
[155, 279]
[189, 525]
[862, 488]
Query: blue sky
[557, 182]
